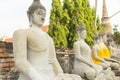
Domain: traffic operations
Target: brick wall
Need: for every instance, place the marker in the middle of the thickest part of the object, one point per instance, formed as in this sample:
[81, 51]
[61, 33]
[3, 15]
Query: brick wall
[6, 61]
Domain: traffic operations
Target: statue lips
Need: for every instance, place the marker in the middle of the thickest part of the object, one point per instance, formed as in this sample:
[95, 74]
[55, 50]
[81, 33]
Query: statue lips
[42, 19]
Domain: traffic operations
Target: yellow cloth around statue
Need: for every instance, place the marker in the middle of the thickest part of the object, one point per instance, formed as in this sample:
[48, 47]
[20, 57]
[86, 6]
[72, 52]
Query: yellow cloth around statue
[106, 52]
[100, 55]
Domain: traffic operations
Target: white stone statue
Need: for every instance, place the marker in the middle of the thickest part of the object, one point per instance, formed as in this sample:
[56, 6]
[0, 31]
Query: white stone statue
[98, 54]
[98, 58]
[83, 64]
[34, 49]
[113, 50]
[107, 55]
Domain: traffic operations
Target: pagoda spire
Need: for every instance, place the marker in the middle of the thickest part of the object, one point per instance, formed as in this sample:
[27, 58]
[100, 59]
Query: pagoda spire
[106, 20]
[105, 12]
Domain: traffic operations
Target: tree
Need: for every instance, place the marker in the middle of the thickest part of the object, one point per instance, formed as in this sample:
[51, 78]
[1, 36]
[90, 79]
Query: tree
[64, 21]
[88, 20]
[116, 35]
[73, 11]
[58, 30]
[80, 11]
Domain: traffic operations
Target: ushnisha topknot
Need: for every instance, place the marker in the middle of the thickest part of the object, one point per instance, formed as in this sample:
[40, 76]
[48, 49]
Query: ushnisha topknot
[96, 37]
[80, 27]
[34, 6]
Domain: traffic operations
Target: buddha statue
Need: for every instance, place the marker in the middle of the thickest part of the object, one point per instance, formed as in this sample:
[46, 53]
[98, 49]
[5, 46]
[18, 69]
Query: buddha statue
[34, 50]
[107, 55]
[104, 47]
[113, 50]
[83, 64]
[98, 54]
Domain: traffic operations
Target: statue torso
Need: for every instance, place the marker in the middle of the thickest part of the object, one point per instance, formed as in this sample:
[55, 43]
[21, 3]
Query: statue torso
[38, 47]
[38, 50]
[85, 50]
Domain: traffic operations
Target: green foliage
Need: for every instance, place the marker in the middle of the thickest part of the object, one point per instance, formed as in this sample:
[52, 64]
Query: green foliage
[73, 11]
[116, 35]
[64, 21]
[87, 19]
[57, 28]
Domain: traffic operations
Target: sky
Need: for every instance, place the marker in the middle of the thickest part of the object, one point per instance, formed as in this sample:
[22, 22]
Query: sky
[13, 14]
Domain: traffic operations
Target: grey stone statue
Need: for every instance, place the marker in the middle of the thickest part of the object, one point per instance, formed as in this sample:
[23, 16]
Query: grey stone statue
[83, 64]
[107, 55]
[98, 55]
[34, 49]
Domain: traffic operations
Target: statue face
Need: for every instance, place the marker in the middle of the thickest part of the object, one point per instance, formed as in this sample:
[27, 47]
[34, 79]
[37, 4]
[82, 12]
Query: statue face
[97, 40]
[39, 17]
[83, 34]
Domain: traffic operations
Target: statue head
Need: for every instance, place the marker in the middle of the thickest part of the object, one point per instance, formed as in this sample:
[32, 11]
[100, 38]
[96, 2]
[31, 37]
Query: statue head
[96, 39]
[36, 13]
[81, 31]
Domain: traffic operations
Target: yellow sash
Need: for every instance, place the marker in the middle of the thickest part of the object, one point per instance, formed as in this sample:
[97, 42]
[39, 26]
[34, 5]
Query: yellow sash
[100, 55]
[106, 52]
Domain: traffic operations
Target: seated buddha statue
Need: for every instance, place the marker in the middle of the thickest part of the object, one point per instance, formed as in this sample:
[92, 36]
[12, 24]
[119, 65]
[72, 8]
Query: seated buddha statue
[98, 54]
[34, 50]
[113, 50]
[107, 54]
[83, 64]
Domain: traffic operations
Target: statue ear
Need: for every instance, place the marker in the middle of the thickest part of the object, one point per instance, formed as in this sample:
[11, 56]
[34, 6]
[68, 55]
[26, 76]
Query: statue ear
[29, 18]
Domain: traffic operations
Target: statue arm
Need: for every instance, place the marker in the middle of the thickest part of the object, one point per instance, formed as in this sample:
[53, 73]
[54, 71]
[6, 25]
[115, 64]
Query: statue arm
[79, 57]
[114, 49]
[95, 54]
[53, 60]
[20, 55]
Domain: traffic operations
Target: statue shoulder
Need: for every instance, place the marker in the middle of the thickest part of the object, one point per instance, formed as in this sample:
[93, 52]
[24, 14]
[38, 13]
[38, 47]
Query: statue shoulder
[19, 32]
[49, 38]
[77, 43]
[95, 47]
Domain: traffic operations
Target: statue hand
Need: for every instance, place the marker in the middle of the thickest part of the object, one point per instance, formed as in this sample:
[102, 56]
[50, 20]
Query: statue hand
[108, 64]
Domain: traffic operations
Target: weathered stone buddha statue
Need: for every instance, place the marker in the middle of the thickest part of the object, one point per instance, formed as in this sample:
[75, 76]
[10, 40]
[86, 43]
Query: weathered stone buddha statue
[83, 64]
[98, 54]
[107, 55]
[34, 49]
[104, 47]
[113, 50]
